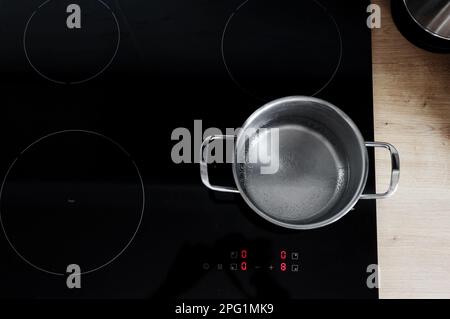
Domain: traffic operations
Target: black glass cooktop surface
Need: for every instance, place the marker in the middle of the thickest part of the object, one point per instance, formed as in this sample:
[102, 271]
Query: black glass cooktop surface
[96, 97]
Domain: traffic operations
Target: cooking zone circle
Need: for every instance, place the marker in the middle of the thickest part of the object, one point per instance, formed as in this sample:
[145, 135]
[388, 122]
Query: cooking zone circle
[269, 47]
[70, 43]
[71, 197]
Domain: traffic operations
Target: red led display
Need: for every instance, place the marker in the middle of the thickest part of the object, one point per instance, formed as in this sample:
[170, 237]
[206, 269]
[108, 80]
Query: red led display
[240, 261]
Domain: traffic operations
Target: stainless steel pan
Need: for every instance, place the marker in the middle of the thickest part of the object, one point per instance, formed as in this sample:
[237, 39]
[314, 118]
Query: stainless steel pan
[321, 163]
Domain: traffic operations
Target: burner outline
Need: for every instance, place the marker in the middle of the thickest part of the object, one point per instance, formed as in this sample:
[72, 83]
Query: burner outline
[74, 82]
[122, 249]
[222, 50]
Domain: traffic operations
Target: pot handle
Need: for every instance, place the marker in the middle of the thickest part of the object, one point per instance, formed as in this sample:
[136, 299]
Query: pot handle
[204, 164]
[395, 171]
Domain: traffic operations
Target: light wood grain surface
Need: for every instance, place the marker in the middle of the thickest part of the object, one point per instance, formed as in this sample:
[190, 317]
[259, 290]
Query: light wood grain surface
[412, 111]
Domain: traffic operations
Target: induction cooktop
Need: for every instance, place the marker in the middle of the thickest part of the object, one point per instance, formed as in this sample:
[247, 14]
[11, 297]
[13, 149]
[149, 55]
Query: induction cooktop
[98, 97]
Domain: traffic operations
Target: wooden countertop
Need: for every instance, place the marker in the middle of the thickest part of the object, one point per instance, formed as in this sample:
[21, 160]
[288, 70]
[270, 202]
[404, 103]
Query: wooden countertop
[412, 111]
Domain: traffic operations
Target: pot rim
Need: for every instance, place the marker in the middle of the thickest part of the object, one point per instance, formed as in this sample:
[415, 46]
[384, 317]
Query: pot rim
[363, 149]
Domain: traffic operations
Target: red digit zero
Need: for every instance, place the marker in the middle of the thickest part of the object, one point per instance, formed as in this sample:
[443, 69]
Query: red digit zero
[244, 266]
[283, 254]
[244, 253]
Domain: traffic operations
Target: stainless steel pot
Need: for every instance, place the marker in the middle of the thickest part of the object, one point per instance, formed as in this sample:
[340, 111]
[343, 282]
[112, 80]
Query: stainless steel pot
[321, 163]
[425, 23]
[432, 16]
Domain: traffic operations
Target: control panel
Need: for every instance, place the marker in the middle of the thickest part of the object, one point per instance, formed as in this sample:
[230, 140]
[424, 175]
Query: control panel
[244, 259]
